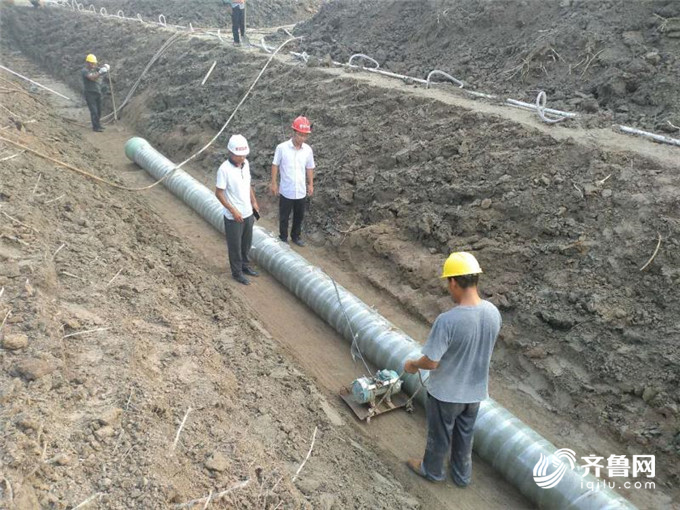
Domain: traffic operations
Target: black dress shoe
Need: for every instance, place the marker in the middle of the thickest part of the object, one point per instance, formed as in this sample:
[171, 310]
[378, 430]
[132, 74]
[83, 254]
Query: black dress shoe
[283, 240]
[299, 242]
[99, 129]
[250, 272]
[242, 279]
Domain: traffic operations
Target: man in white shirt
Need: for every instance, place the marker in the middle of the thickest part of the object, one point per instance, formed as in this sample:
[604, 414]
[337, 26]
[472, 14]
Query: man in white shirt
[235, 193]
[294, 160]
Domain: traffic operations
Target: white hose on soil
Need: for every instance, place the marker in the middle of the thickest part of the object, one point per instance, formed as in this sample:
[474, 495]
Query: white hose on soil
[302, 56]
[365, 57]
[380, 71]
[264, 45]
[651, 136]
[529, 106]
[437, 72]
[480, 94]
[541, 99]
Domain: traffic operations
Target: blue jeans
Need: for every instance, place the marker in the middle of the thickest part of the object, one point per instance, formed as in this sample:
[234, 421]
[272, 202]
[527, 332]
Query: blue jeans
[450, 431]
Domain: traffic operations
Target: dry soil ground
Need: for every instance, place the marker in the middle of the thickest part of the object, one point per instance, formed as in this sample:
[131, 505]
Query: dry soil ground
[616, 58]
[589, 352]
[211, 13]
[115, 328]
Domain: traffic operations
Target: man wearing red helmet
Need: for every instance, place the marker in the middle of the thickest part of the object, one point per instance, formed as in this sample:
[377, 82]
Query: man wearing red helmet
[294, 161]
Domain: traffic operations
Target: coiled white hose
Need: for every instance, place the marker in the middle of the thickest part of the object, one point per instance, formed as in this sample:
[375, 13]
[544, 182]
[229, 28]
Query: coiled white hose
[437, 72]
[364, 57]
[541, 99]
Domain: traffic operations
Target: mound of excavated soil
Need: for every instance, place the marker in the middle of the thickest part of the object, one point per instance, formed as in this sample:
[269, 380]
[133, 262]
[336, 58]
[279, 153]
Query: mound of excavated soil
[619, 56]
[114, 330]
[213, 13]
[561, 227]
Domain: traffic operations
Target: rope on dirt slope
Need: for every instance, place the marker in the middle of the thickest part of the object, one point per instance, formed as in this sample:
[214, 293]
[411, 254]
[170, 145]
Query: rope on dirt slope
[154, 58]
[354, 349]
[245, 96]
[73, 168]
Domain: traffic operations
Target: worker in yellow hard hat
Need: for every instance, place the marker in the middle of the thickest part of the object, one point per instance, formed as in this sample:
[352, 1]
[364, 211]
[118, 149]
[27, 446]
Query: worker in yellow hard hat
[92, 88]
[457, 354]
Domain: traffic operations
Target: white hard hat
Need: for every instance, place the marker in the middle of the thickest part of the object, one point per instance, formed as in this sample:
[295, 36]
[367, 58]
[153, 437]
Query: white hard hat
[238, 145]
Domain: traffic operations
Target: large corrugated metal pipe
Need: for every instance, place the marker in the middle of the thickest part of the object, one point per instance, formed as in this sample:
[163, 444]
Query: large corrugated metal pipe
[501, 439]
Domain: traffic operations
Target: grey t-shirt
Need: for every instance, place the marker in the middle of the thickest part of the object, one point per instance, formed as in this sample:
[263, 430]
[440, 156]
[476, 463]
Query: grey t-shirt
[462, 341]
[90, 85]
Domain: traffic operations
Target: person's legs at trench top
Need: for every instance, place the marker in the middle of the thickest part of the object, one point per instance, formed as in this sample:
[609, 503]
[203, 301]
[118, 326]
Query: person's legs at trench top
[242, 23]
[450, 432]
[237, 23]
[239, 238]
[297, 206]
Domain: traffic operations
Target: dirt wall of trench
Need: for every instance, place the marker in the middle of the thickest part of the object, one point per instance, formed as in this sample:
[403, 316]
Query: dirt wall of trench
[616, 57]
[212, 13]
[561, 229]
[111, 329]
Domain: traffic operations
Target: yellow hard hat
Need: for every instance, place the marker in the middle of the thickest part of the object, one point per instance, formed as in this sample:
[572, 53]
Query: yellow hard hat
[91, 59]
[459, 264]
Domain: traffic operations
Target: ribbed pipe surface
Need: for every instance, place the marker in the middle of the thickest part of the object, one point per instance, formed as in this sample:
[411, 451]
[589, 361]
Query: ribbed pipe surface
[501, 439]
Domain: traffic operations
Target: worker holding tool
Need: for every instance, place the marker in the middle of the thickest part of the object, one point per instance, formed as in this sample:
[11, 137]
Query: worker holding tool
[92, 79]
[457, 352]
[294, 159]
[238, 20]
[235, 193]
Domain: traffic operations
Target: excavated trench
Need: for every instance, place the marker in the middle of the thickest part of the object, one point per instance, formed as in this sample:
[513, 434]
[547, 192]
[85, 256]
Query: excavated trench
[561, 228]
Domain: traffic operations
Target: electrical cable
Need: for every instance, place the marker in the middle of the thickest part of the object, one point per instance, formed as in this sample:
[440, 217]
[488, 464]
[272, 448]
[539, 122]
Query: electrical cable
[354, 349]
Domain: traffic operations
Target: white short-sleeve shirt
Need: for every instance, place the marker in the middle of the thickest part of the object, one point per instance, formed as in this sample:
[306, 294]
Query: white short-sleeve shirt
[235, 181]
[293, 164]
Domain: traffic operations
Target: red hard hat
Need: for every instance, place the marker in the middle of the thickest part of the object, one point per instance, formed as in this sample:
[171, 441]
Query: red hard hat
[302, 125]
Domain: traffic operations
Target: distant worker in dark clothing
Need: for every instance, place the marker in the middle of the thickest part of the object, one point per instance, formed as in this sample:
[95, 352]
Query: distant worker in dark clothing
[238, 20]
[92, 79]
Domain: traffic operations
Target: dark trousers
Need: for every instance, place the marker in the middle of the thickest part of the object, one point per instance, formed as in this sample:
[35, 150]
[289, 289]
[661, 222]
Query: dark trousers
[94, 103]
[450, 429]
[239, 239]
[238, 23]
[286, 205]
